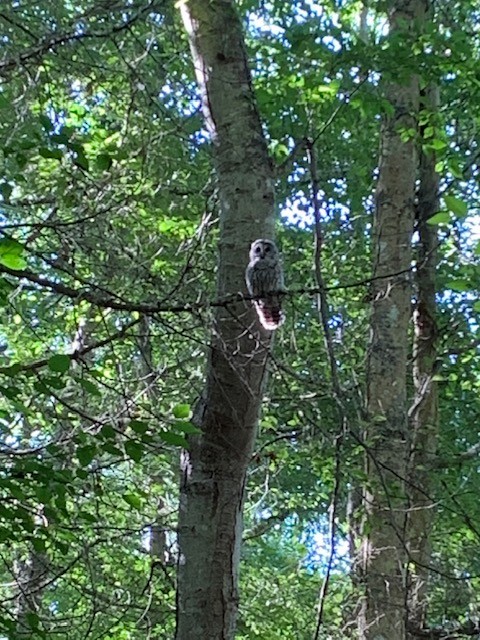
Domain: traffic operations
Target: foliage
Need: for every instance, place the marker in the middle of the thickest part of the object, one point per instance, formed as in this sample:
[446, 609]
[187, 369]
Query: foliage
[108, 216]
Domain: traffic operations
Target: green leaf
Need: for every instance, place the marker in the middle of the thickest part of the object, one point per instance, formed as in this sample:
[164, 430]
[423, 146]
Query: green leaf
[67, 131]
[442, 217]
[55, 383]
[330, 88]
[10, 392]
[408, 134]
[41, 387]
[60, 138]
[112, 449]
[455, 169]
[45, 122]
[11, 254]
[6, 533]
[56, 154]
[296, 81]
[87, 517]
[59, 363]
[459, 284]
[103, 161]
[86, 454]
[12, 370]
[139, 426]
[82, 161]
[181, 411]
[27, 144]
[173, 438]
[476, 306]
[39, 544]
[186, 427]
[14, 262]
[134, 450]
[437, 144]
[133, 499]
[456, 206]
[6, 191]
[32, 619]
[90, 387]
[108, 432]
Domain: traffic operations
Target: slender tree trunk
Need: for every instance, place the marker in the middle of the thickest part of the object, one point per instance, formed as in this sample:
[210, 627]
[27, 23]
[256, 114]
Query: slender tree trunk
[383, 556]
[424, 410]
[31, 574]
[214, 467]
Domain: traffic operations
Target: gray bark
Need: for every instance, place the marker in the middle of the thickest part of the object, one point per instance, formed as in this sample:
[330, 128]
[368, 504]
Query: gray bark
[31, 574]
[383, 560]
[214, 467]
[424, 409]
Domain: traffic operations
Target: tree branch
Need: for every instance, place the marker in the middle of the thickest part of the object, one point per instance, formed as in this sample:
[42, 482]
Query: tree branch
[111, 301]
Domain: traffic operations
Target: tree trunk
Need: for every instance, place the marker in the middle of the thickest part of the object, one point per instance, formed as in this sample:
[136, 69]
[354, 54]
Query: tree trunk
[424, 410]
[383, 557]
[214, 467]
[31, 574]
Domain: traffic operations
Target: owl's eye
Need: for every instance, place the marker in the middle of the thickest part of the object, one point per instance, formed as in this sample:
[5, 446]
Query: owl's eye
[258, 249]
[267, 249]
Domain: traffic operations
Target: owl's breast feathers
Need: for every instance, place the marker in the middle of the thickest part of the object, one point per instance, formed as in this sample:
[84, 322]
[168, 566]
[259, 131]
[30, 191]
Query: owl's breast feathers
[264, 277]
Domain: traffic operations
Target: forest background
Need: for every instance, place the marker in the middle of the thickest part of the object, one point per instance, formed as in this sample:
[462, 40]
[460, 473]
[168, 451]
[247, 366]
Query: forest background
[127, 206]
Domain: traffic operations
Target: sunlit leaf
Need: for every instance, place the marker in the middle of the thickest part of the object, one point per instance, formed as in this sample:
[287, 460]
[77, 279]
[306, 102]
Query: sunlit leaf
[181, 411]
[442, 217]
[11, 254]
[437, 144]
[133, 500]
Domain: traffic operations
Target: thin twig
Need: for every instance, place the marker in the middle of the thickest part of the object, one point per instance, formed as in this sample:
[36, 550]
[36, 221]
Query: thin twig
[322, 305]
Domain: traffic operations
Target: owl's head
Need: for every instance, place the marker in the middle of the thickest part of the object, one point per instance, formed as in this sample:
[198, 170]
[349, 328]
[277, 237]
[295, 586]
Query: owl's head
[263, 249]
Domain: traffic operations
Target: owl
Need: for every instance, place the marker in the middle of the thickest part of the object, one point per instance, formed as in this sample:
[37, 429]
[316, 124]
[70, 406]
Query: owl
[264, 277]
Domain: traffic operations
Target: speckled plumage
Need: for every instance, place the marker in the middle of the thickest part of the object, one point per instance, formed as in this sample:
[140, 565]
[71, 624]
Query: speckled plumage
[264, 278]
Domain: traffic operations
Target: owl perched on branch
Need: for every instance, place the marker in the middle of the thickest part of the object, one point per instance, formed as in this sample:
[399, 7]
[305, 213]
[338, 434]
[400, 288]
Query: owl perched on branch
[264, 277]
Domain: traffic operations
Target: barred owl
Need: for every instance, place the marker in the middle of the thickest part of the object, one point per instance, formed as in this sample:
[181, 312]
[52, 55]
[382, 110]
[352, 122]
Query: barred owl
[264, 277]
